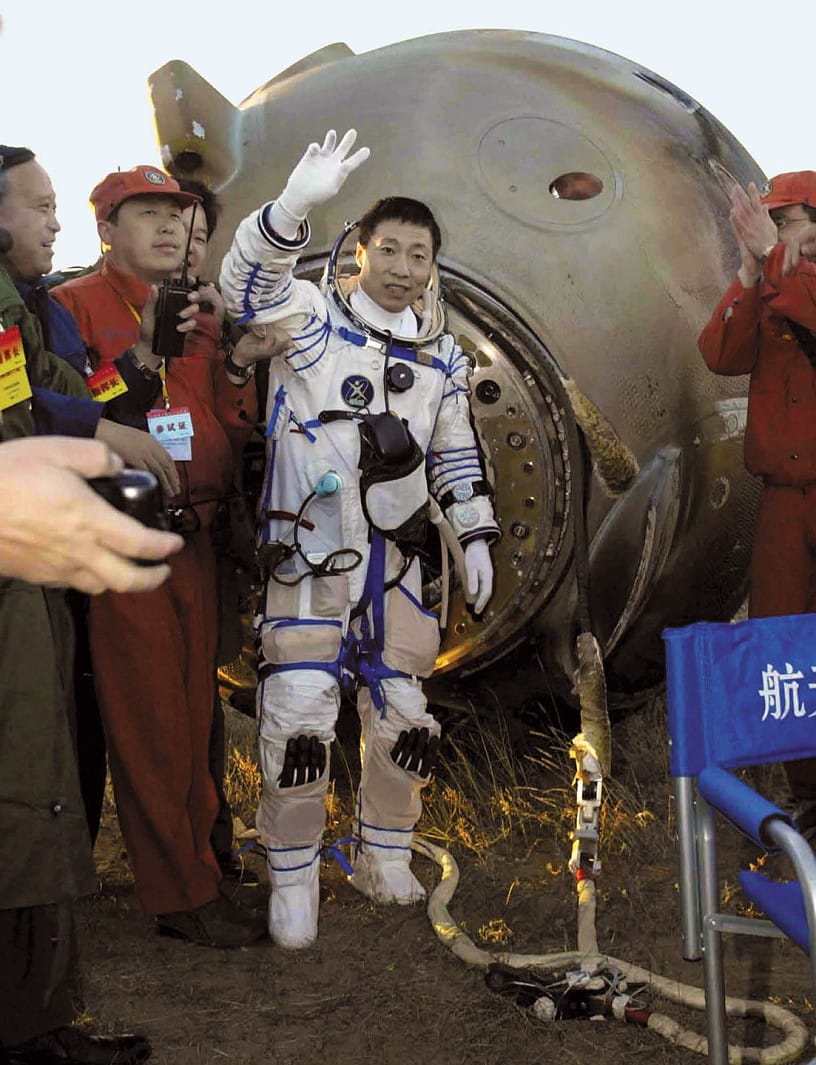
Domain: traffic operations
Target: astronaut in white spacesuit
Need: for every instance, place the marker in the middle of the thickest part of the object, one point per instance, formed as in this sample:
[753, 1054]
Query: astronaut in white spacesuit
[368, 413]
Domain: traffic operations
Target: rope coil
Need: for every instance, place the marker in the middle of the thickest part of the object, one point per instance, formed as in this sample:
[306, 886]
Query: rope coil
[795, 1036]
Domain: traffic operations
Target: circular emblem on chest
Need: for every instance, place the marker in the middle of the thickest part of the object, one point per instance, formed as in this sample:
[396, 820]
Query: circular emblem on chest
[357, 391]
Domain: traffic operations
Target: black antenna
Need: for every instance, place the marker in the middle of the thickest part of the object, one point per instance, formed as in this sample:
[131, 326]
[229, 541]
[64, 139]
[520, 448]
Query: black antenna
[189, 242]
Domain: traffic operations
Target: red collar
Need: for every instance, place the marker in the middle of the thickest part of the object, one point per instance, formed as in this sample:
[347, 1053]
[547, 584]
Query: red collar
[129, 288]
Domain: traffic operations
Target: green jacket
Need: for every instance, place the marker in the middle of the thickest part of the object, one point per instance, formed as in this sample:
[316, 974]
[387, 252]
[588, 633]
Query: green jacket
[43, 368]
[45, 854]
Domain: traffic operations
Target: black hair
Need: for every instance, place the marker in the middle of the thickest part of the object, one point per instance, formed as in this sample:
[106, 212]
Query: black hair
[10, 157]
[400, 209]
[209, 201]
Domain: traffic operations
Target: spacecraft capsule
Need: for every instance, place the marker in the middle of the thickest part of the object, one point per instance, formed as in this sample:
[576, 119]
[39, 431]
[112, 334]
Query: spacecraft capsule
[584, 207]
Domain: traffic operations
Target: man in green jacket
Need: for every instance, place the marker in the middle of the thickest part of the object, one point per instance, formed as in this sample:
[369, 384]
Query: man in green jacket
[45, 857]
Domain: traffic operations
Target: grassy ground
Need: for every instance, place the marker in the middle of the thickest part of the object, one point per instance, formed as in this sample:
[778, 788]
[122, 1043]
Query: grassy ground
[379, 987]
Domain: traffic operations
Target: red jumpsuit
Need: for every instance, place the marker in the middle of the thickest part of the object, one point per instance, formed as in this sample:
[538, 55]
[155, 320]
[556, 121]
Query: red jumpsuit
[749, 332]
[153, 652]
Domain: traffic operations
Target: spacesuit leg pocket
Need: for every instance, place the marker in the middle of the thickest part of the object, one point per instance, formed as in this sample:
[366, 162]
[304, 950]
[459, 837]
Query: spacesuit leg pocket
[330, 596]
[283, 600]
[411, 634]
[301, 640]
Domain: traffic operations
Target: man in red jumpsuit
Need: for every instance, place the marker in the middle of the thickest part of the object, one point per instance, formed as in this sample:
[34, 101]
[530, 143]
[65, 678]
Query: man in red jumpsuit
[153, 653]
[764, 326]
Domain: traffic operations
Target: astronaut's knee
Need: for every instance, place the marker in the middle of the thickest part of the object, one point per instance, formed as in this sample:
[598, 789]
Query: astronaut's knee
[296, 778]
[304, 760]
[295, 701]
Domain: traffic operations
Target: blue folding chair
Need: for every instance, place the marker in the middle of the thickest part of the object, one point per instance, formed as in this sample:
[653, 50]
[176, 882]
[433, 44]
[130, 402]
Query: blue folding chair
[739, 694]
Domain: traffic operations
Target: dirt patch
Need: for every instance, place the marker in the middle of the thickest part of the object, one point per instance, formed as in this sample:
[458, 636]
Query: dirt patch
[380, 988]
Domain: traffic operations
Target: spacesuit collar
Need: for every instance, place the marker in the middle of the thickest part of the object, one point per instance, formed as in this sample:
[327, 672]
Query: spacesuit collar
[402, 324]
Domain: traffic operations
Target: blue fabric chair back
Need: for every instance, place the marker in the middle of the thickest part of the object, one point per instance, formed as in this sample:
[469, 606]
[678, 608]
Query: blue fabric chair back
[741, 693]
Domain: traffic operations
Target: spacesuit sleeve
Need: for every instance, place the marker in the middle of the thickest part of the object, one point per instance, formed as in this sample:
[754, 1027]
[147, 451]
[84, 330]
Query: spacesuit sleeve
[792, 296]
[455, 464]
[730, 342]
[257, 283]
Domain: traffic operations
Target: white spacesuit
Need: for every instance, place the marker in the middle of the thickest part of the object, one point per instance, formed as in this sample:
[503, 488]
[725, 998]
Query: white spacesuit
[363, 417]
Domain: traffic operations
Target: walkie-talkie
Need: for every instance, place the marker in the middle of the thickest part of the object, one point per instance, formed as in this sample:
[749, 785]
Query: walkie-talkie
[168, 342]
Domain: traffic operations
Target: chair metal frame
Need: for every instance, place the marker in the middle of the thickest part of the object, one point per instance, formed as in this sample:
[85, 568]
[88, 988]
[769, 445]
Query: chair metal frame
[718, 718]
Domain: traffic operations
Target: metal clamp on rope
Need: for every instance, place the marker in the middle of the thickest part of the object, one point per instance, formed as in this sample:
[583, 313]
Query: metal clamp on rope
[584, 860]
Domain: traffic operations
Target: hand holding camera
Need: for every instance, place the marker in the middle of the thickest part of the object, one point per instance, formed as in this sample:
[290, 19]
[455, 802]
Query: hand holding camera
[57, 531]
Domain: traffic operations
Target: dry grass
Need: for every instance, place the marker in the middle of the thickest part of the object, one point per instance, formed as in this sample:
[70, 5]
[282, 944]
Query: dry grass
[487, 791]
[242, 783]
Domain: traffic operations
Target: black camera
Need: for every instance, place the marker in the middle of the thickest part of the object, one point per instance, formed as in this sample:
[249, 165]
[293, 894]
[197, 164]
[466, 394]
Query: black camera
[137, 494]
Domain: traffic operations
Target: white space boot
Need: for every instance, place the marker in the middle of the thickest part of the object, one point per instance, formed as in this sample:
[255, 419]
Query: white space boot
[384, 874]
[295, 897]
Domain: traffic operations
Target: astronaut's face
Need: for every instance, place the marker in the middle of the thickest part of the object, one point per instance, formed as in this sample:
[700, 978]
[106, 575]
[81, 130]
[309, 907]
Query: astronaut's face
[395, 265]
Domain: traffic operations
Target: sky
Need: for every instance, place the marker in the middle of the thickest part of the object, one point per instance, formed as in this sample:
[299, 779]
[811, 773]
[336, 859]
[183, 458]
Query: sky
[73, 73]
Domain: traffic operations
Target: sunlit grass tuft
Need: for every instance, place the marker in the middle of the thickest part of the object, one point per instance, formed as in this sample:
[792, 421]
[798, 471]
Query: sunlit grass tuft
[242, 784]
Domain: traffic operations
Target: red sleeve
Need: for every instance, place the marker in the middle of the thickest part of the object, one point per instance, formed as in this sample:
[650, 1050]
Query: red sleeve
[730, 342]
[792, 296]
[235, 406]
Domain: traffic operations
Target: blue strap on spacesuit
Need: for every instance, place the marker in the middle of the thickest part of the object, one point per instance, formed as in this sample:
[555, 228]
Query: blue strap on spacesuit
[280, 396]
[334, 668]
[360, 839]
[366, 650]
[274, 418]
[313, 341]
[288, 850]
[395, 351]
[332, 850]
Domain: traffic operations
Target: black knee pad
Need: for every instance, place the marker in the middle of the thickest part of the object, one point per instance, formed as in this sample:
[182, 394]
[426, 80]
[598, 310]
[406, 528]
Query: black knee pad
[304, 760]
[416, 750]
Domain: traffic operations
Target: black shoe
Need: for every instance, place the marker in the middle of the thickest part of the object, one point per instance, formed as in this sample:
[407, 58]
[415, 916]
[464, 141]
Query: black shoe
[219, 923]
[237, 872]
[74, 1046]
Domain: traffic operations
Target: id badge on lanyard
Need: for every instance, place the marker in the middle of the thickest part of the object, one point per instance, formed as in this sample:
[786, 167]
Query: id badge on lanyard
[14, 383]
[173, 429]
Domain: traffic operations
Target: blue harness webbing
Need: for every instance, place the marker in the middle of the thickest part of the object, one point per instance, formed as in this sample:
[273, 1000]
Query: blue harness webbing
[396, 351]
[360, 656]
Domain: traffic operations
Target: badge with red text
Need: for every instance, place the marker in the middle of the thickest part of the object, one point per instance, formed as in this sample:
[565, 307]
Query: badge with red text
[106, 384]
[14, 384]
[173, 429]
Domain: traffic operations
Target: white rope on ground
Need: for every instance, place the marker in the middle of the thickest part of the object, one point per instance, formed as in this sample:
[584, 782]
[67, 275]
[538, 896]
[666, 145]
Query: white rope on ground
[795, 1034]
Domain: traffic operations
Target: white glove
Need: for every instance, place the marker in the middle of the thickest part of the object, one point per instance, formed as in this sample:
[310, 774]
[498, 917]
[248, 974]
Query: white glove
[320, 174]
[479, 573]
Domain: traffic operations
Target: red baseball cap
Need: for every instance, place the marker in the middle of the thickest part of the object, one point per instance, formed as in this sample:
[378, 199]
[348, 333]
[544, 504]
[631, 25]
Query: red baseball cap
[785, 190]
[139, 181]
